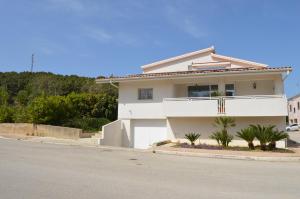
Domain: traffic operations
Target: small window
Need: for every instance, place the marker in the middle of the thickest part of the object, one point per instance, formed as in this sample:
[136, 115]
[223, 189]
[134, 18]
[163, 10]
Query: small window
[229, 90]
[296, 122]
[298, 105]
[145, 94]
[294, 110]
[290, 108]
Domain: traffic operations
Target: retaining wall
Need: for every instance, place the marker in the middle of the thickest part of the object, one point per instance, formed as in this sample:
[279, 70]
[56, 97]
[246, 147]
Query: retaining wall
[40, 130]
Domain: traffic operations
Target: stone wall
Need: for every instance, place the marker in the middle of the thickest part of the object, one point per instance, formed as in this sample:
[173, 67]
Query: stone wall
[40, 130]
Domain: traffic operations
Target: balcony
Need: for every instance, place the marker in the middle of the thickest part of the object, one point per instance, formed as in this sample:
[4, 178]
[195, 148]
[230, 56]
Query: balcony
[237, 106]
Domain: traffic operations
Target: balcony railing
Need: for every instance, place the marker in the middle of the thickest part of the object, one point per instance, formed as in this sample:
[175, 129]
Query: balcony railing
[258, 105]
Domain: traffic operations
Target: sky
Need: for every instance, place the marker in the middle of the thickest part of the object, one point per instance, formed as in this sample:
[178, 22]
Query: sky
[104, 37]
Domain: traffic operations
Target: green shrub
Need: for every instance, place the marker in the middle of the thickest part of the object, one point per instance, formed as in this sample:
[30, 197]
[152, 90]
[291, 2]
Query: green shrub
[248, 135]
[263, 134]
[87, 124]
[276, 136]
[192, 137]
[222, 138]
[21, 115]
[6, 114]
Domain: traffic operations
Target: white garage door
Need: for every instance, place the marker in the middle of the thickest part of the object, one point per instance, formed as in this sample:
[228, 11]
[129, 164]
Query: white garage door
[147, 132]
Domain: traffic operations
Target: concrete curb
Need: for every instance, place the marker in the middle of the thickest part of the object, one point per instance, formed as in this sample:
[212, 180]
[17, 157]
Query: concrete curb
[167, 152]
[233, 157]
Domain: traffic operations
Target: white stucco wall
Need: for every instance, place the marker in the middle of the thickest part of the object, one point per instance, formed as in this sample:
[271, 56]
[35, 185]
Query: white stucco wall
[178, 127]
[131, 107]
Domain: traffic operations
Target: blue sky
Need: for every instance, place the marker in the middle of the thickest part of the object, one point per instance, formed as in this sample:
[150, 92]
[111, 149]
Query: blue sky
[103, 37]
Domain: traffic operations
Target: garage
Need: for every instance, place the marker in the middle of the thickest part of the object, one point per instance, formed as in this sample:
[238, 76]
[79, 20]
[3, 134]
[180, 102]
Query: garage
[147, 132]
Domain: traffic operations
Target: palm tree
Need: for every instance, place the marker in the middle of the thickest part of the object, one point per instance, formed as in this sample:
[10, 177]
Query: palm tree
[224, 123]
[263, 134]
[192, 137]
[276, 136]
[248, 135]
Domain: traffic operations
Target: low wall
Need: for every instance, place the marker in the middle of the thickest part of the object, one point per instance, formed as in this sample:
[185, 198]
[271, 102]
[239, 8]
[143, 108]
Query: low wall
[40, 130]
[57, 131]
[112, 134]
[17, 129]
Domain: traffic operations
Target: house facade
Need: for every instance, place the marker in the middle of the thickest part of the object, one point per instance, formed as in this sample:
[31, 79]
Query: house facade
[294, 109]
[186, 93]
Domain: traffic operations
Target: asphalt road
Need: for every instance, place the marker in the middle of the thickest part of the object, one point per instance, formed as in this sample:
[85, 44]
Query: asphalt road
[38, 171]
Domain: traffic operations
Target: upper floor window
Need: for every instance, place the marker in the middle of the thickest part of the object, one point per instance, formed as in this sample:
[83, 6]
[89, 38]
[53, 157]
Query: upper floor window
[298, 105]
[290, 108]
[294, 110]
[202, 91]
[145, 93]
[229, 90]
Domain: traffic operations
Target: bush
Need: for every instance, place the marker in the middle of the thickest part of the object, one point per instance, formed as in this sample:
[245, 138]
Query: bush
[6, 114]
[222, 138]
[87, 124]
[248, 135]
[192, 137]
[52, 110]
[276, 136]
[21, 115]
[263, 134]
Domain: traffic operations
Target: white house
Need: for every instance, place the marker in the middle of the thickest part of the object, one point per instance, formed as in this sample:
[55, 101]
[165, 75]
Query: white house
[294, 109]
[186, 93]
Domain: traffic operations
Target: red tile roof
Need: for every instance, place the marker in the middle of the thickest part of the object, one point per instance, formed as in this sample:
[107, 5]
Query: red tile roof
[192, 73]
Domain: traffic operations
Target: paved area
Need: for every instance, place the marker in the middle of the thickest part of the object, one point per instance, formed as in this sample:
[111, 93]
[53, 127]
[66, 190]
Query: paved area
[39, 170]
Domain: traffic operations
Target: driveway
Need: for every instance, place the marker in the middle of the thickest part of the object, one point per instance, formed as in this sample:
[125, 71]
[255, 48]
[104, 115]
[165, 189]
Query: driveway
[294, 135]
[36, 170]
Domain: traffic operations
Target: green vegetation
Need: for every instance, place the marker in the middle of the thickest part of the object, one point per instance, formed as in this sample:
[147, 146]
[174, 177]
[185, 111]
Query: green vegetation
[192, 137]
[248, 135]
[222, 136]
[46, 98]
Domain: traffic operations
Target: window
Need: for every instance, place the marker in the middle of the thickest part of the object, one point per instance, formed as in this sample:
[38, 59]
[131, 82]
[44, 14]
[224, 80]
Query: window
[296, 122]
[145, 93]
[291, 121]
[229, 90]
[294, 110]
[298, 105]
[202, 91]
[290, 108]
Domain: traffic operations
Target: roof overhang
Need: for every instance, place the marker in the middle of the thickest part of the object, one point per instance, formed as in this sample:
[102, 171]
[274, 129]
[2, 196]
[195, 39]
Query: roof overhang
[232, 59]
[191, 54]
[194, 74]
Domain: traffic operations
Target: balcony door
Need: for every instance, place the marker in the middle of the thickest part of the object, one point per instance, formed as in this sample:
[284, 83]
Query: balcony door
[202, 90]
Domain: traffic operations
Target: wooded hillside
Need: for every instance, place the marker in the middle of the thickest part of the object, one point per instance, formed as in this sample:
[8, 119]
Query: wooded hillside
[49, 98]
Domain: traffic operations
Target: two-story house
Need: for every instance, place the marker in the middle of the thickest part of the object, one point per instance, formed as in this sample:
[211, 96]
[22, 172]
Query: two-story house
[294, 109]
[186, 93]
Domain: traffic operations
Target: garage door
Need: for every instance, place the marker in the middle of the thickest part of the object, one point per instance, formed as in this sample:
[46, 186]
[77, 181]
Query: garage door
[147, 132]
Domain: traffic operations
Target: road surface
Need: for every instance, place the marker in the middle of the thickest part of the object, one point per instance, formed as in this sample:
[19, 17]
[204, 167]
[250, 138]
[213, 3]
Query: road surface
[36, 170]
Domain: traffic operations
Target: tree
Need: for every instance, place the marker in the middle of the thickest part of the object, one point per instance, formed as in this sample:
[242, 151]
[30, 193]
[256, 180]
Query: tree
[248, 135]
[192, 137]
[3, 96]
[275, 136]
[222, 136]
[263, 134]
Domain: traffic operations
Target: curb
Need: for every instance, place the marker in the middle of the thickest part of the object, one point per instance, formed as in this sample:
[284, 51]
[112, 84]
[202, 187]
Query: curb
[233, 157]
